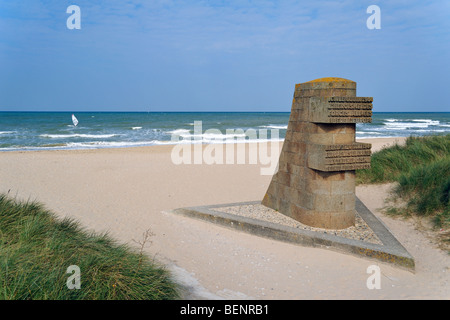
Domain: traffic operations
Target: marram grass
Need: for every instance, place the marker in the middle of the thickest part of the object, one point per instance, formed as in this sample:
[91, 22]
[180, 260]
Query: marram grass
[36, 249]
[389, 163]
[421, 169]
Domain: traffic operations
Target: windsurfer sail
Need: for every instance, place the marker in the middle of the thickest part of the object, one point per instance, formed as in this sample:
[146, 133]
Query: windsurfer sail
[74, 120]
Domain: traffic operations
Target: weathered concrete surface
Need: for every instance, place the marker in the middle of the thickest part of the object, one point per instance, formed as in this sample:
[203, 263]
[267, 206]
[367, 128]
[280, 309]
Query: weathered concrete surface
[315, 182]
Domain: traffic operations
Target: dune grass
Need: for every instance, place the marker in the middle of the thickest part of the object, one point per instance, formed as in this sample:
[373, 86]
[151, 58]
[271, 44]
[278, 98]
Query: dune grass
[389, 163]
[36, 249]
[421, 169]
[427, 189]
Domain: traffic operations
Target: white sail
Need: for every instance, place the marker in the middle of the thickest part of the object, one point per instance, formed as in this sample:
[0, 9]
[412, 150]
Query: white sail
[74, 120]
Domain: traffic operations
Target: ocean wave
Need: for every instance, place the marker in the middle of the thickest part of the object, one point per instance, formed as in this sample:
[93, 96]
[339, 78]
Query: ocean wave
[78, 135]
[412, 124]
[272, 126]
[208, 136]
[368, 132]
[179, 132]
[125, 144]
[377, 137]
[431, 122]
[7, 132]
[218, 136]
[211, 135]
[136, 128]
[111, 144]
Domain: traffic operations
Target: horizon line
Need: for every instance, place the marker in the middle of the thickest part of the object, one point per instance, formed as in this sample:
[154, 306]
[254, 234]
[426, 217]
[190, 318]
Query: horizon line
[61, 111]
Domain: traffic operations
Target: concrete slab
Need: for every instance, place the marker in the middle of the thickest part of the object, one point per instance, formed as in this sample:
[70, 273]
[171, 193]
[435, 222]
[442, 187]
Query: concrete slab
[391, 251]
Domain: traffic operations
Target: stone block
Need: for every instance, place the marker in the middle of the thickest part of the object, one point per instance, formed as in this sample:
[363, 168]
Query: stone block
[343, 138]
[346, 186]
[339, 157]
[329, 202]
[340, 109]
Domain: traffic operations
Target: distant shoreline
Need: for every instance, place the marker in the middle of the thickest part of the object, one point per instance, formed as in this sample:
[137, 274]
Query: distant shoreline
[21, 131]
[377, 143]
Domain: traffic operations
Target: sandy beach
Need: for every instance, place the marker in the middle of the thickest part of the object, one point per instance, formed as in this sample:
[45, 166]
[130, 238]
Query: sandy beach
[130, 190]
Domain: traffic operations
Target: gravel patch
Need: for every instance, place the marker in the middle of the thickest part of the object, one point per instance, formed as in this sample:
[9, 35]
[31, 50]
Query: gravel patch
[361, 231]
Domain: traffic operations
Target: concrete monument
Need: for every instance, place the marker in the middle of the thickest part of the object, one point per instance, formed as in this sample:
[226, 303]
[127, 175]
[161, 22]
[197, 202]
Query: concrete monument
[315, 182]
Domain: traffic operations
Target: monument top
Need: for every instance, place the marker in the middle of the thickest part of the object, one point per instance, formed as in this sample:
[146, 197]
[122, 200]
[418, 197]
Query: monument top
[328, 86]
[330, 79]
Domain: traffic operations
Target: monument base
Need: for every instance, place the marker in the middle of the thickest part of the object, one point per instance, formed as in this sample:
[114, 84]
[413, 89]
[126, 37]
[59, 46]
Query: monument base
[369, 238]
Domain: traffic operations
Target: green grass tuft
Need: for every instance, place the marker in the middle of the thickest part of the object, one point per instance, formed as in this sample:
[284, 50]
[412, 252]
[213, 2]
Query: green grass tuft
[388, 164]
[36, 249]
[422, 170]
[426, 187]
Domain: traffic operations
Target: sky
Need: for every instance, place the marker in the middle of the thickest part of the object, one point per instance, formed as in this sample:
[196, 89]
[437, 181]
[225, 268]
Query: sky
[211, 55]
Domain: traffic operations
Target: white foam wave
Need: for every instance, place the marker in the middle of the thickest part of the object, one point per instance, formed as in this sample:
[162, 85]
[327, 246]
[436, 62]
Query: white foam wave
[410, 123]
[272, 126]
[368, 132]
[125, 144]
[179, 131]
[431, 122]
[378, 137]
[7, 132]
[136, 128]
[413, 124]
[186, 134]
[78, 135]
[112, 144]
[119, 144]
[207, 136]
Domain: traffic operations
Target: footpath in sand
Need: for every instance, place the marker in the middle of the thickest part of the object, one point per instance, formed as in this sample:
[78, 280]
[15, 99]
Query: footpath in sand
[128, 191]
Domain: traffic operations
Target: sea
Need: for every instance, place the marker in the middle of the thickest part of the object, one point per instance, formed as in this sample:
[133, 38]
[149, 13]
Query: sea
[55, 130]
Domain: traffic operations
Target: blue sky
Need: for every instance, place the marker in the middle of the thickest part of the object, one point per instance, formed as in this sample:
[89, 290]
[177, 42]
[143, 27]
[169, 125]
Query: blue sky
[164, 55]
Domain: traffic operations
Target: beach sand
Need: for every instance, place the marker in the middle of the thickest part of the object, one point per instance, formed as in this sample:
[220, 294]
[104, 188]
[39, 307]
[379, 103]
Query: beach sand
[130, 190]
